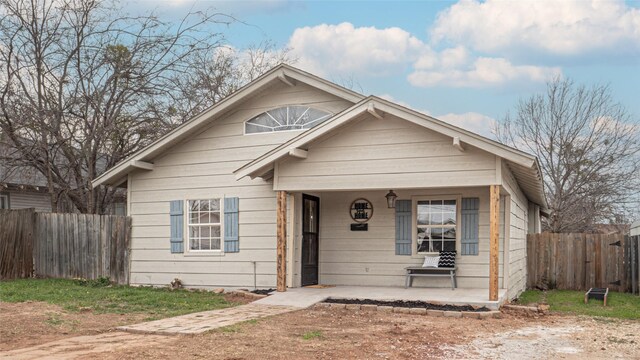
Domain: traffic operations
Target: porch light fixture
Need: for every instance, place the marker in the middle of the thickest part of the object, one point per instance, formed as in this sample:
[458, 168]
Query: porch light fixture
[391, 199]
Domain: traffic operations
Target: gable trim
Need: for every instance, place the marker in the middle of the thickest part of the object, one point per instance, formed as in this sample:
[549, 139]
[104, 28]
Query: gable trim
[377, 105]
[280, 72]
[380, 107]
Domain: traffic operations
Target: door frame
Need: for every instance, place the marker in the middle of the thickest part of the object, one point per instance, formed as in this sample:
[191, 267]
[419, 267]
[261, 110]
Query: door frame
[302, 249]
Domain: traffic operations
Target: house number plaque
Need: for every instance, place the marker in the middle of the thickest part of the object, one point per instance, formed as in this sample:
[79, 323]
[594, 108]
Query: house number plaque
[361, 210]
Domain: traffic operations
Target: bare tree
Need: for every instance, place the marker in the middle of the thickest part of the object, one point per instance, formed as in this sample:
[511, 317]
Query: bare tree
[218, 74]
[588, 148]
[82, 87]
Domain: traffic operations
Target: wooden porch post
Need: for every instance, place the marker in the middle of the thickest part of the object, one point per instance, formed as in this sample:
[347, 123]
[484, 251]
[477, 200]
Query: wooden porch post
[494, 237]
[281, 249]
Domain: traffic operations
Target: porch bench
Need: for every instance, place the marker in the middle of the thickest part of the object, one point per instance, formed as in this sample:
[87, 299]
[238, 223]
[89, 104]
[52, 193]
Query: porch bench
[415, 271]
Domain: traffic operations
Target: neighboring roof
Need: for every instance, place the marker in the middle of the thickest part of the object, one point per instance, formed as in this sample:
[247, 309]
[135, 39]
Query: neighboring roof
[524, 166]
[282, 72]
[17, 176]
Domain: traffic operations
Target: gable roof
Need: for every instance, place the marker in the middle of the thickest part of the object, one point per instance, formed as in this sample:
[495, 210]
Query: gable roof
[285, 73]
[525, 167]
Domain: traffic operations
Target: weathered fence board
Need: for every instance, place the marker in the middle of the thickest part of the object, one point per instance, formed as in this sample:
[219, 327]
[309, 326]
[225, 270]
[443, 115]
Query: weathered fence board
[581, 261]
[16, 243]
[64, 245]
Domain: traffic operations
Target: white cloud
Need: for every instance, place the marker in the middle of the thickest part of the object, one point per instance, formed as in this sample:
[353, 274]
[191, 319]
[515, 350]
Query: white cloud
[559, 27]
[482, 72]
[345, 49]
[475, 122]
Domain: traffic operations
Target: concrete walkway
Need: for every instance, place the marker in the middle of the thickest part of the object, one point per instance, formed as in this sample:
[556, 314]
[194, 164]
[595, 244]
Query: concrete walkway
[200, 322]
[305, 297]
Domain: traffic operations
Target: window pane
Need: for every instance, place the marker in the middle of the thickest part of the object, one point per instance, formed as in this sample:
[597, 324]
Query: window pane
[193, 218]
[194, 232]
[204, 205]
[435, 216]
[423, 213]
[215, 231]
[205, 232]
[203, 218]
[193, 205]
[205, 244]
[215, 244]
[294, 117]
[449, 233]
[449, 219]
[449, 246]
[215, 217]
[214, 205]
[195, 244]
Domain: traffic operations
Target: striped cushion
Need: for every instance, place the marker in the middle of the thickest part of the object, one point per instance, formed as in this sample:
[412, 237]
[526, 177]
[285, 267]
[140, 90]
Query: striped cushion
[447, 259]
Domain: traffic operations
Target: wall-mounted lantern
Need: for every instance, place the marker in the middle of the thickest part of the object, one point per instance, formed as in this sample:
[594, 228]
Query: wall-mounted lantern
[391, 199]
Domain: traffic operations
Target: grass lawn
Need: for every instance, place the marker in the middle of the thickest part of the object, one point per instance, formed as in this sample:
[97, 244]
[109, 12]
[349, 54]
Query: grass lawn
[619, 305]
[99, 297]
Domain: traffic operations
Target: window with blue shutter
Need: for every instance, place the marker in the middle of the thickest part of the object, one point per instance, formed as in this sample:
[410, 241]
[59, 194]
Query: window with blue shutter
[470, 226]
[403, 227]
[231, 225]
[176, 213]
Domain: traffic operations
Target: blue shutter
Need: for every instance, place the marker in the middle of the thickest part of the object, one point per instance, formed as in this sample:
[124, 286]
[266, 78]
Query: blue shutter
[231, 239]
[403, 227]
[469, 226]
[176, 212]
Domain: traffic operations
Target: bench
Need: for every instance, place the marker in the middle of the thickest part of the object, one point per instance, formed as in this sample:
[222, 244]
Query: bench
[415, 271]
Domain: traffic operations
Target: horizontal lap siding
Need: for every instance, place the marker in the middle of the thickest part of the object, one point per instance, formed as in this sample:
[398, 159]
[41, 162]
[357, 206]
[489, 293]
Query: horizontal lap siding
[202, 167]
[518, 218]
[388, 153]
[368, 257]
[28, 200]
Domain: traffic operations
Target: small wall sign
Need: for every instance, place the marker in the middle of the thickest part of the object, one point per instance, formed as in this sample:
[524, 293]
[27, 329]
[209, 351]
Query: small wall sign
[361, 210]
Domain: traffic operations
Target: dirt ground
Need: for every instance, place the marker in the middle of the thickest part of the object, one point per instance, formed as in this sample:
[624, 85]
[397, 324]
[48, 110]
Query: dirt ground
[33, 323]
[345, 334]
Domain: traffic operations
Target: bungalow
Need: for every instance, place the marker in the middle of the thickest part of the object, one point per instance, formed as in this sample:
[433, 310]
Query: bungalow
[295, 181]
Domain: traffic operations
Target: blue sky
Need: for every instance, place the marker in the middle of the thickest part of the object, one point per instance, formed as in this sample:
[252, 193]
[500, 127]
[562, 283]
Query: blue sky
[466, 62]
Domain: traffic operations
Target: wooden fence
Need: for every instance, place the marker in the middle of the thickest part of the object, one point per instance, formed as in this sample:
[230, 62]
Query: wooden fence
[16, 243]
[582, 261]
[64, 245]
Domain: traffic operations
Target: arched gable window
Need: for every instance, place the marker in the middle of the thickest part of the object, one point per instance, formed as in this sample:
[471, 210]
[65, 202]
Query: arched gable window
[292, 117]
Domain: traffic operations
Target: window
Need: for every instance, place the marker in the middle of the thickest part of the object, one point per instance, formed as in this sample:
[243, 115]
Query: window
[437, 225]
[4, 201]
[292, 117]
[204, 224]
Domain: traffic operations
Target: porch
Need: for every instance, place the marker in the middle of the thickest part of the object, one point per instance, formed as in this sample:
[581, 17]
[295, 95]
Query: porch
[305, 297]
[321, 246]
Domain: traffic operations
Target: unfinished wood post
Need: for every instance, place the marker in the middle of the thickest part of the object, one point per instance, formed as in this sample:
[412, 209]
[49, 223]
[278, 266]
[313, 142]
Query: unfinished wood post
[494, 238]
[281, 252]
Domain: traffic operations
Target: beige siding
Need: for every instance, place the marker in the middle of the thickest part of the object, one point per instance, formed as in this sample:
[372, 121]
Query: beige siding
[26, 200]
[368, 258]
[517, 229]
[384, 154]
[202, 167]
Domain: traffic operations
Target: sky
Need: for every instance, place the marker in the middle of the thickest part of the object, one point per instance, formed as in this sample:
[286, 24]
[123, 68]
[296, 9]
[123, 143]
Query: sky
[466, 62]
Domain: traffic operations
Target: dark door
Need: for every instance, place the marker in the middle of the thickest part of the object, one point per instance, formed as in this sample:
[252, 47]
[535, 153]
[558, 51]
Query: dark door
[310, 230]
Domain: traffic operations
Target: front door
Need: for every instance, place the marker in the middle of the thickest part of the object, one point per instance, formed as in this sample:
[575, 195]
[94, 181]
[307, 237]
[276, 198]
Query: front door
[310, 246]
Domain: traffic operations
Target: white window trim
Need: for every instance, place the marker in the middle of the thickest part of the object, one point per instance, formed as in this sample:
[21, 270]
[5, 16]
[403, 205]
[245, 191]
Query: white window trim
[188, 251]
[414, 221]
[244, 123]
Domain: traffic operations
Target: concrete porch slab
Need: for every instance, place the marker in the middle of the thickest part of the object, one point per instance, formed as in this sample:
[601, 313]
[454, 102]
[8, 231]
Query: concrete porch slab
[306, 297]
